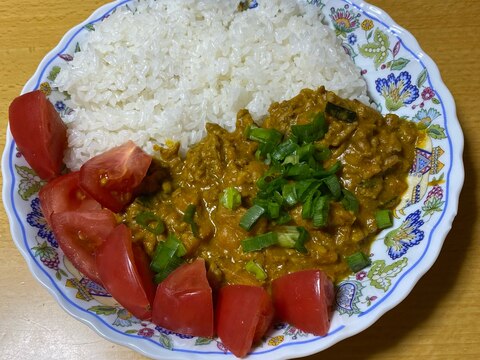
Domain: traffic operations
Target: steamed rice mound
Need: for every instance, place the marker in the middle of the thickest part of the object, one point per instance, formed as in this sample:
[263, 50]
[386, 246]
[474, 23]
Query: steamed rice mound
[159, 70]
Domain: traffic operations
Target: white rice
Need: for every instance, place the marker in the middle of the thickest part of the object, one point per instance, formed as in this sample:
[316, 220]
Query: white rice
[169, 67]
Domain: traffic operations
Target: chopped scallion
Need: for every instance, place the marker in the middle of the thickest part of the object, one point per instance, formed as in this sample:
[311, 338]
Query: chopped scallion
[283, 150]
[267, 139]
[287, 236]
[321, 125]
[300, 171]
[307, 209]
[320, 174]
[181, 250]
[268, 159]
[304, 188]
[297, 175]
[284, 218]
[302, 239]
[358, 261]
[165, 252]
[172, 264]
[278, 197]
[263, 134]
[231, 198]
[273, 210]
[273, 185]
[350, 201]
[188, 217]
[248, 129]
[321, 154]
[310, 132]
[251, 217]
[253, 268]
[189, 213]
[291, 159]
[305, 151]
[150, 222]
[321, 208]
[384, 219]
[289, 193]
[293, 237]
[259, 242]
[333, 185]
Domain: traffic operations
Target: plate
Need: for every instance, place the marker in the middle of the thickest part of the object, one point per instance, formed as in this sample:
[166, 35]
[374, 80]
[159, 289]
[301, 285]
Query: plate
[401, 78]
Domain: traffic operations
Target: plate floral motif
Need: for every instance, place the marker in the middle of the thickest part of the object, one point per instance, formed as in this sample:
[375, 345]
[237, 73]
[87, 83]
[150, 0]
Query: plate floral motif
[399, 80]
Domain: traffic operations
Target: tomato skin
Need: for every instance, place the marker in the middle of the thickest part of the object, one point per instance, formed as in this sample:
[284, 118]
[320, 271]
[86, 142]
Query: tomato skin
[142, 262]
[39, 133]
[79, 234]
[117, 269]
[183, 302]
[304, 299]
[64, 194]
[243, 315]
[112, 177]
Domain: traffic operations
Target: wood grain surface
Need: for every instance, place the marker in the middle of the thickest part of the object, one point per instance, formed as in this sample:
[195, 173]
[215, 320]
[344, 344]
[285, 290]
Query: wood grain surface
[440, 319]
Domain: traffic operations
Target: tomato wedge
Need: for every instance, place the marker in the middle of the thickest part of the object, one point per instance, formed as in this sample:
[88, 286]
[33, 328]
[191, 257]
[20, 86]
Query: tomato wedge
[142, 263]
[112, 177]
[39, 132]
[243, 315]
[304, 299]
[183, 302]
[64, 194]
[79, 234]
[116, 266]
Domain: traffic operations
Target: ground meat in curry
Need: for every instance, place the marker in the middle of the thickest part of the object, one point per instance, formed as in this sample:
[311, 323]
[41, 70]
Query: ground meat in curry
[376, 153]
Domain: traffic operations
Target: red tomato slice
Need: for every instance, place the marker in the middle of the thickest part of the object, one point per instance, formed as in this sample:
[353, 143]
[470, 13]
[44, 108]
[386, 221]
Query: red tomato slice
[142, 262]
[79, 234]
[39, 132]
[183, 302]
[304, 299]
[117, 269]
[111, 177]
[243, 315]
[64, 194]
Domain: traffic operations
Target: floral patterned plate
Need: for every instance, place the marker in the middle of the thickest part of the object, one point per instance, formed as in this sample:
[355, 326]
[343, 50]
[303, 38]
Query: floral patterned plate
[400, 78]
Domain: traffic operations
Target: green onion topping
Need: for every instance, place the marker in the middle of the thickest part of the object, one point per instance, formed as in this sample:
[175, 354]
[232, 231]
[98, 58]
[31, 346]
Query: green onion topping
[333, 185]
[173, 263]
[231, 198]
[188, 217]
[285, 149]
[267, 139]
[259, 242]
[358, 261]
[150, 222]
[384, 219]
[350, 202]
[289, 193]
[273, 210]
[293, 237]
[296, 176]
[167, 257]
[253, 268]
[321, 207]
[310, 132]
[251, 217]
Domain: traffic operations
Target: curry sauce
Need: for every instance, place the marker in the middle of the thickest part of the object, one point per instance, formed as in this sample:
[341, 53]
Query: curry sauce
[376, 154]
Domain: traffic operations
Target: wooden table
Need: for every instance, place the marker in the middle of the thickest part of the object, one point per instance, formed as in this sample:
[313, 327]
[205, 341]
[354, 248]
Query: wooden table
[440, 319]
